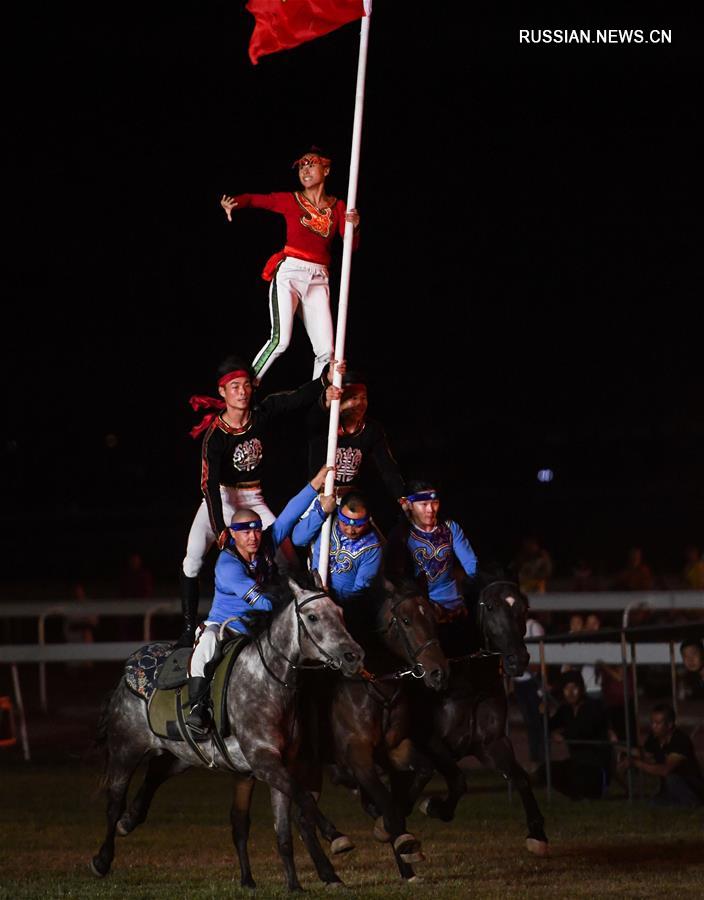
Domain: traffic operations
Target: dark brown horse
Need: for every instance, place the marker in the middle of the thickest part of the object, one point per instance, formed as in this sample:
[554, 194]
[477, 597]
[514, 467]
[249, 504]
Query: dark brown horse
[263, 742]
[470, 717]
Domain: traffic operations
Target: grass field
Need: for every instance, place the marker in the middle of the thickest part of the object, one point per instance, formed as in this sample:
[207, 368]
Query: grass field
[51, 823]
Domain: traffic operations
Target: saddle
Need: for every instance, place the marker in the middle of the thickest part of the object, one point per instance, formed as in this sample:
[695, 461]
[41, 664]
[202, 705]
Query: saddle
[158, 674]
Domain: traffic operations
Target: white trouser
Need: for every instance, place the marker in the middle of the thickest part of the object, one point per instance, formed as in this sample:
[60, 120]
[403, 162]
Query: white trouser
[202, 537]
[305, 283]
[205, 646]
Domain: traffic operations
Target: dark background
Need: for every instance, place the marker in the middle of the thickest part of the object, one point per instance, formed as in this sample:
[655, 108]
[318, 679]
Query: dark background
[526, 295]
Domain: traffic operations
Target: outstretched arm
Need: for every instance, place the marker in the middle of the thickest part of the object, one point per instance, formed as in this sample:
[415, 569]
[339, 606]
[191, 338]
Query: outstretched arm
[463, 549]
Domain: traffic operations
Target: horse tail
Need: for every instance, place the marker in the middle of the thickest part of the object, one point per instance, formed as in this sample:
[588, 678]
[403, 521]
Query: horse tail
[99, 745]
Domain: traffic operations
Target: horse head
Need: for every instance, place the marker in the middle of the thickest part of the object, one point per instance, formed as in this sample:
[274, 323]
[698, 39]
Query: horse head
[322, 635]
[501, 616]
[407, 628]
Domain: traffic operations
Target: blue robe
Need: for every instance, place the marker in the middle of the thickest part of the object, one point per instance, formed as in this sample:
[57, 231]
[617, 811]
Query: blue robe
[434, 554]
[354, 562]
[238, 583]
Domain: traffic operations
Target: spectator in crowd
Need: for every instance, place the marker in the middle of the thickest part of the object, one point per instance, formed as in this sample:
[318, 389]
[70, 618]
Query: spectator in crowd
[590, 674]
[669, 753]
[534, 567]
[582, 576]
[79, 628]
[693, 572]
[692, 651]
[636, 576]
[527, 693]
[136, 582]
[582, 724]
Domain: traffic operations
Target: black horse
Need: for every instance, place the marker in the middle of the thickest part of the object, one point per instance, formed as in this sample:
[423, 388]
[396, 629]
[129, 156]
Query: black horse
[307, 627]
[470, 717]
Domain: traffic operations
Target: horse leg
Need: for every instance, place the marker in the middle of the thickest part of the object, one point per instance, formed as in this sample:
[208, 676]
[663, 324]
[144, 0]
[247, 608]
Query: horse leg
[240, 821]
[159, 769]
[499, 755]
[443, 760]
[322, 864]
[406, 848]
[281, 806]
[121, 767]
[267, 766]
[411, 772]
[309, 775]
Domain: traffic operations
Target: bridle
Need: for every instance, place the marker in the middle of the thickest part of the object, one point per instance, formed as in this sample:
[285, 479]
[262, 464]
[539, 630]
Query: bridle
[417, 670]
[483, 607]
[329, 661]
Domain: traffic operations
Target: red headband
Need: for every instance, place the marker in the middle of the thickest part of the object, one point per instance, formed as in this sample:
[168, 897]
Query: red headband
[237, 373]
[311, 159]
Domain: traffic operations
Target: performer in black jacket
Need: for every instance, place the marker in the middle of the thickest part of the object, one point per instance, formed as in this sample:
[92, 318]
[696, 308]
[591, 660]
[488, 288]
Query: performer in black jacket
[233, 464]
[361, 441]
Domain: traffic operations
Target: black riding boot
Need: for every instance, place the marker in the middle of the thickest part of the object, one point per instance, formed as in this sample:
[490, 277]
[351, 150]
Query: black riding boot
[200, 718]
[189, 607]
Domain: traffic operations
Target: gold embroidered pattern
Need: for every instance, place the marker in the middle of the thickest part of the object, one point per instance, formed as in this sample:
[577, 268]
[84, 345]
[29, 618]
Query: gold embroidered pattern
[319, 221]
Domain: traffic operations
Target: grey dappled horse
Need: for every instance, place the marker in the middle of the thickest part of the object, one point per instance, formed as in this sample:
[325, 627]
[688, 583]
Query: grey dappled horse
[307, 627]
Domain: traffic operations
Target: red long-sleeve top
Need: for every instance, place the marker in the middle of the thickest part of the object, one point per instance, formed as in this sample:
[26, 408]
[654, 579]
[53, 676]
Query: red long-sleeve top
[309, 231]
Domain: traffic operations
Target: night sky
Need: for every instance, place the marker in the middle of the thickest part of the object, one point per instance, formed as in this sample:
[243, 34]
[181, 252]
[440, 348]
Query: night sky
[527, 294]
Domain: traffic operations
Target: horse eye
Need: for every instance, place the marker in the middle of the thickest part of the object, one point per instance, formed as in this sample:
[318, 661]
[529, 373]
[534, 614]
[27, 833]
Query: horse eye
[406, 620]
[312, 617]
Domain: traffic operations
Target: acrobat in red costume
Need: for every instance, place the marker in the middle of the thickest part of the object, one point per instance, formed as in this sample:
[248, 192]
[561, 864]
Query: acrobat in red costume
[299, 273]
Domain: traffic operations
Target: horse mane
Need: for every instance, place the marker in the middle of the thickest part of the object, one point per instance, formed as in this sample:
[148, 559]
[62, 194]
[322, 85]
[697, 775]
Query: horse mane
[279, 591]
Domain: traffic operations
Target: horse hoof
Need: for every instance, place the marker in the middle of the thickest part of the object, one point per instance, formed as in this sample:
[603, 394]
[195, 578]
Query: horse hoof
[331, 885]
[408, 848]
[341, 844]
[423, 808]
[122, 830]
[380, 833]
[415, 879]
[98, 868]
[248, 885]
[537, 848]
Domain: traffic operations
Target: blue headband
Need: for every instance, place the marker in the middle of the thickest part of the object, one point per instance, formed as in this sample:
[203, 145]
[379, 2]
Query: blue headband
[346, 520]
[252, 525]
[422, 495]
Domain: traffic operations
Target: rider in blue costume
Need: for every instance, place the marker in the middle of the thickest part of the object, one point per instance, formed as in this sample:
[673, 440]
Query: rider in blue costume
[431, 549]
[355, 544]
[244, 565]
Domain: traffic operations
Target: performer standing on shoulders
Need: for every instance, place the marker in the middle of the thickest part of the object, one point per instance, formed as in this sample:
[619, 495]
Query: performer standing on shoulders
[232, 464]
[299, 273]
[360, 440]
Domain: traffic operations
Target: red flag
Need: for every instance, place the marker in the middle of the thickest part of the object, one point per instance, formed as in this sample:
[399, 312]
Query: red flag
[281, 24]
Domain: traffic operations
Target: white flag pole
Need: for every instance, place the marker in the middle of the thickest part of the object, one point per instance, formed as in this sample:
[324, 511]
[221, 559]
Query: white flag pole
[344, 288]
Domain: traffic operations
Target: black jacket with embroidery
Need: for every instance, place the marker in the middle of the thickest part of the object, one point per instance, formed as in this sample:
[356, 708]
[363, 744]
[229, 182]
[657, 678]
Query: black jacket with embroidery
[354, 452]
[232, 456]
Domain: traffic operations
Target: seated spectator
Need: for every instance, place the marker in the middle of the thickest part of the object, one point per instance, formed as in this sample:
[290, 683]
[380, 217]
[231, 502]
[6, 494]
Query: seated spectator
[580, 722]
[534, 567]
[693, 658]
[694, 569]
[669, 753]
[582, 576]
[636, 576]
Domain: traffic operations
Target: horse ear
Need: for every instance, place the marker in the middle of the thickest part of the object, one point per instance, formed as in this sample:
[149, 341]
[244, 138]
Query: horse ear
[317, 580]
[297, 591]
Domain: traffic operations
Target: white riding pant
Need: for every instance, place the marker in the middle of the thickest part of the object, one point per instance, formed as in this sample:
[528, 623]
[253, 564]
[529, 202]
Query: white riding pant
[205, 646]
[202, 537]
[298, 287]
